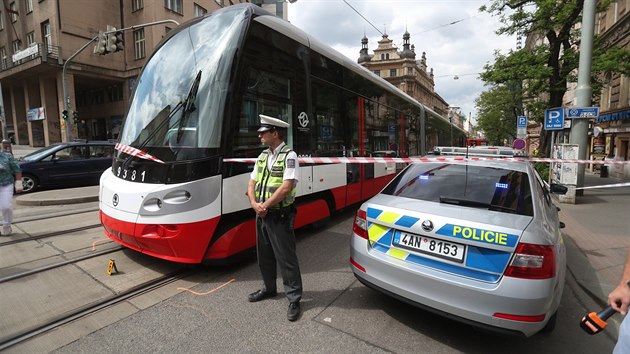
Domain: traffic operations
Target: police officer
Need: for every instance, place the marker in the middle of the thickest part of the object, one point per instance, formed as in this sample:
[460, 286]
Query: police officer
[271, 192]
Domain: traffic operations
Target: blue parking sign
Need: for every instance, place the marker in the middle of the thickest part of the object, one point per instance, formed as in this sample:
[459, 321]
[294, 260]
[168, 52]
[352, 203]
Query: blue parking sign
[554, 118]
[521, 122]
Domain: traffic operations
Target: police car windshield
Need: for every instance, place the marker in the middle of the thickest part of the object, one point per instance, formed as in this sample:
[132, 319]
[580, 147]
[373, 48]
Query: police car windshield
[474, 186]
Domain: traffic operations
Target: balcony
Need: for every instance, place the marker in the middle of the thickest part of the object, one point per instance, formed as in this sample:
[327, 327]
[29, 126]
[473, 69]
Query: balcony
[37, 51]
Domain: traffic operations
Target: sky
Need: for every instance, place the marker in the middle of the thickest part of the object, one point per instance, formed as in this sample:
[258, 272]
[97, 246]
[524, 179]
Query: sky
[461, 49]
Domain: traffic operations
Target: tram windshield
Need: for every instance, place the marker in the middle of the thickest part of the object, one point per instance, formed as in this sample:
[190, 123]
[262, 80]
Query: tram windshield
[177, 108]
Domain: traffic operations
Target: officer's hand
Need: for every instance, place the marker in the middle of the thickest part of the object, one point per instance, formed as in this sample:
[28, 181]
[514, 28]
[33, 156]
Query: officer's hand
[18, 186]
[619, 299]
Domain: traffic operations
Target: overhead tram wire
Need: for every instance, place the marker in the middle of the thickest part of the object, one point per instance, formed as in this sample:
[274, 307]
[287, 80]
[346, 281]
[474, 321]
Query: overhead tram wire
[431, 29]
[363, 17]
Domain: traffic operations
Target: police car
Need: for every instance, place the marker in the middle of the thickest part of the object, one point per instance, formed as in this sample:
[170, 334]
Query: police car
[474, 240]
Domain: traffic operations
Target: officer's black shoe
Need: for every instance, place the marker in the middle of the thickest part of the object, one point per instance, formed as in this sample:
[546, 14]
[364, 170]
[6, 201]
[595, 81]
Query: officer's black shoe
[260, 295]
[294, 311]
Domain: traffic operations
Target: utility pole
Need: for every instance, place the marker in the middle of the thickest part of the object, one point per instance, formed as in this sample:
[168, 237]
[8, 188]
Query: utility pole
[584, 92]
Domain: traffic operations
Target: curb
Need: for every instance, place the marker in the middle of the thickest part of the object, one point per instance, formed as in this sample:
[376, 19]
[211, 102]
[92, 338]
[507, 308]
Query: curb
[59, 197]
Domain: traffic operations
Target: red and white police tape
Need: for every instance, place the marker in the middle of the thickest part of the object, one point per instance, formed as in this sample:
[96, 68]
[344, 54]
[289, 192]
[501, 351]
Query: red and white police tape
[433, 159]
[626, 184]
[130, 150]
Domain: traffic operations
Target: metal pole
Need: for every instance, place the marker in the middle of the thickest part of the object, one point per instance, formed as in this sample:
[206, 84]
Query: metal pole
[3, 119]
[66, 98]
[583, 93]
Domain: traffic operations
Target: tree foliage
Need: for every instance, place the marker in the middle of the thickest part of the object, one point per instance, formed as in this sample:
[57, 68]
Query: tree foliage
[549, 61]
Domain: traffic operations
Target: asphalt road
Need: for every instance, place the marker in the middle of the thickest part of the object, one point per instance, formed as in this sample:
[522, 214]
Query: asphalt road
[339, 315]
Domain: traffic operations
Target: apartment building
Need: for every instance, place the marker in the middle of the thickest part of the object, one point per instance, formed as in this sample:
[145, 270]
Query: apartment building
[611, 134]
[402, 70]
[37, 39]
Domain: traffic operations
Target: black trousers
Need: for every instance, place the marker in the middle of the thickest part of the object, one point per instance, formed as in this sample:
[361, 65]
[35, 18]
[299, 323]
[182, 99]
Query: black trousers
[275, 246]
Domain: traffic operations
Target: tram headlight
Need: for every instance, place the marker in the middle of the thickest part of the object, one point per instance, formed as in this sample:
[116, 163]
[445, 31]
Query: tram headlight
[153, 204]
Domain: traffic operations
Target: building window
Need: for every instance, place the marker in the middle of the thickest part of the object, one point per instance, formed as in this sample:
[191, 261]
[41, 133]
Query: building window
[392, 72]
[409, 71]
[28, 5]
[1, 21]
[200, 11]
[13, 12]
[30, 38]
[16, 46]
[47, 36]
[174, 5]
[219, 2]
[138, 41]
[137, 5]
[377, 72]
[382, 56]
[387, 56]
[4, 58]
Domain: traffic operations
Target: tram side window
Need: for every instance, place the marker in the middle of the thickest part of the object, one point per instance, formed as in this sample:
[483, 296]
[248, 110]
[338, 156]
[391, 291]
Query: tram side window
[265, 93]
[328, 110]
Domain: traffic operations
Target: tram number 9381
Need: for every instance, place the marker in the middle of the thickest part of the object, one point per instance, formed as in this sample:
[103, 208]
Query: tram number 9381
[130, 174]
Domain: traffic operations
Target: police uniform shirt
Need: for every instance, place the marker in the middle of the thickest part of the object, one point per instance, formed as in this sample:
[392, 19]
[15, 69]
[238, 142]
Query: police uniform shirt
[292, 168]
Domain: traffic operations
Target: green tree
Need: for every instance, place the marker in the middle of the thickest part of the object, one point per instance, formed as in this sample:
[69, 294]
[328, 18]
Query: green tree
[545, 68]
[496, 113]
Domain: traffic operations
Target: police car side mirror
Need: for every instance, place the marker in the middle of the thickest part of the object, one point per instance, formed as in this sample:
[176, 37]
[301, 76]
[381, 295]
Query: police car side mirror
[558, 188]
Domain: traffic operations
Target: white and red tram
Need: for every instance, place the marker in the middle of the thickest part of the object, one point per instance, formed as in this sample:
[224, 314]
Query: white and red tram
[171, 195]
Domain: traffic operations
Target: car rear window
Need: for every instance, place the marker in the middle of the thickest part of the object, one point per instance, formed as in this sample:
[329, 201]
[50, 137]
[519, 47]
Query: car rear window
[485, 187]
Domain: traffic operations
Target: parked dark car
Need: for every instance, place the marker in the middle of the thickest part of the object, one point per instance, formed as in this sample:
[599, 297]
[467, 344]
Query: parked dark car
[69, 164]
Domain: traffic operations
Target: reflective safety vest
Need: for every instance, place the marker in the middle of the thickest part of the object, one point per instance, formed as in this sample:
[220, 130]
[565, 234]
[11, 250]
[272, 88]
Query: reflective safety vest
[267, 182]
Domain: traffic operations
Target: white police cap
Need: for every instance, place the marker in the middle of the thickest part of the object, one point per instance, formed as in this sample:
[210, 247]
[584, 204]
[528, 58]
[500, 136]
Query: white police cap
[269, 123]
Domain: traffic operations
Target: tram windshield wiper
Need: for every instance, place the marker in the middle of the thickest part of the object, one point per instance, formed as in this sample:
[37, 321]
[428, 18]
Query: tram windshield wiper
[188, 106]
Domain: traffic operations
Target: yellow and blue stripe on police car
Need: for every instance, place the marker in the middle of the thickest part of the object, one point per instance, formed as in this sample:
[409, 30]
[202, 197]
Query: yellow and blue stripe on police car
[480, 262]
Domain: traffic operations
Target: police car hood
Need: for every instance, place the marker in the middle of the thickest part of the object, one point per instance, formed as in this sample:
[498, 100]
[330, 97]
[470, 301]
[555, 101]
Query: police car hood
[468, 225]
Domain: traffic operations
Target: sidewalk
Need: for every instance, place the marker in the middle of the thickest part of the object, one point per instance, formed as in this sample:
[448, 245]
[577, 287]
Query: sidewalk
[23, 150]
[597, 236]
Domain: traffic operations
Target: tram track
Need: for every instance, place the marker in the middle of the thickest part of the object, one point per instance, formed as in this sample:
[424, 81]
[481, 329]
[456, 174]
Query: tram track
[88, 309]
[50, 234]
[58, 264]
[54, 215]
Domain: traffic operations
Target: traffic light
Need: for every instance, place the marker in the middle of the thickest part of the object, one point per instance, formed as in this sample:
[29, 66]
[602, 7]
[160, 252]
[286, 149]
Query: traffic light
[75, 115]
[111, 40]
[101, 44]
[120, 41]
[64, 114]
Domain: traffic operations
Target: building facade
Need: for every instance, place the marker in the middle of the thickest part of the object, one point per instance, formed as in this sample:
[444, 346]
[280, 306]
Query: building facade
[611, 133]
[37, 39]
[401, 69]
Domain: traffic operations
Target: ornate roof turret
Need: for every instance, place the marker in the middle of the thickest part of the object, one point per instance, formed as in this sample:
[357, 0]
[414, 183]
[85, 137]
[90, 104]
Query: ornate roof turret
[406, 52]
[363, 53]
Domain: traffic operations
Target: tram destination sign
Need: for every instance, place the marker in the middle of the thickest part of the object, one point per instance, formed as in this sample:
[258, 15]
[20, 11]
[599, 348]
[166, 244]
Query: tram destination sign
[583, 112]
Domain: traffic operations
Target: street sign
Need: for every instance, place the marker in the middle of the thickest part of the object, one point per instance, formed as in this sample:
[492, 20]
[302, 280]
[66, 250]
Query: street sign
[521, 122]
[554, 118]
[583, 112]
[519, 144]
